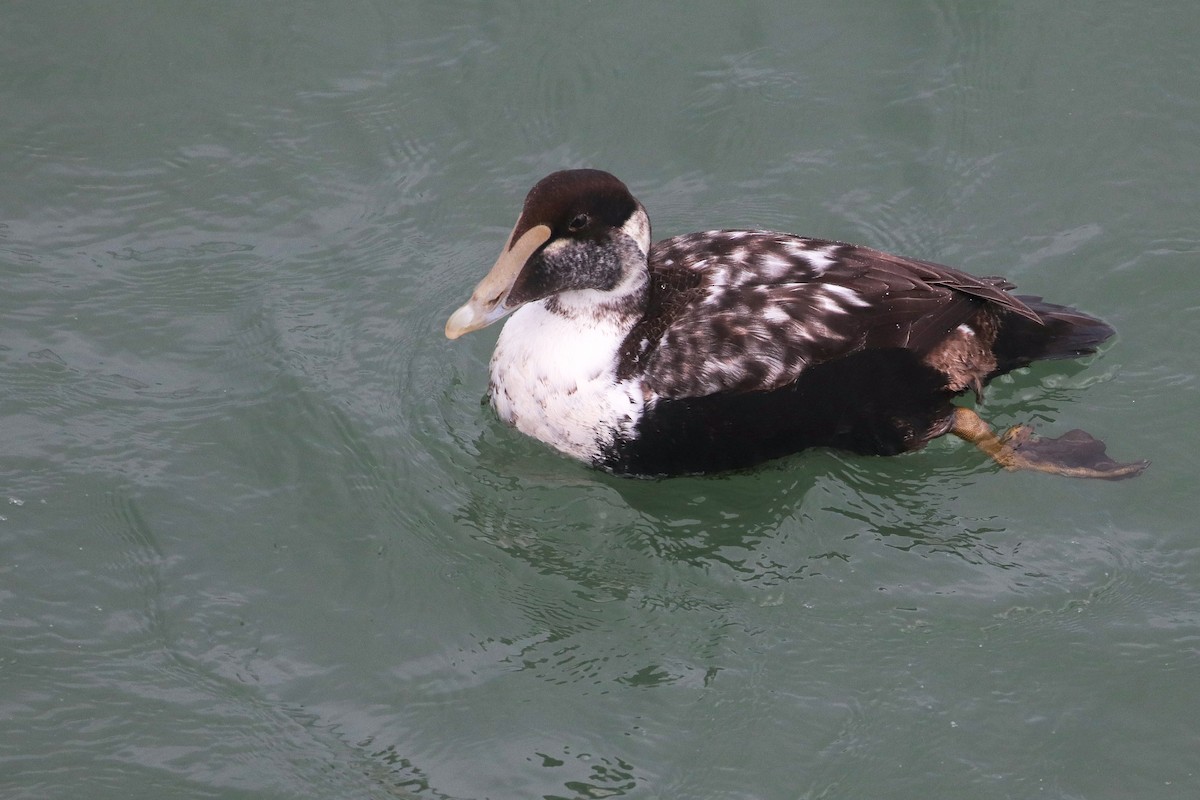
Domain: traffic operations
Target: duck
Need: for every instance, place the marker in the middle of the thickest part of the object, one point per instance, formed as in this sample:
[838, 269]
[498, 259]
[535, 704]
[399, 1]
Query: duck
[720, 350]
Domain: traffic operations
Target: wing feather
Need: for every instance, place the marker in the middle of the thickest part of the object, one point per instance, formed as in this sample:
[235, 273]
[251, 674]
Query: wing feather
[750, 310]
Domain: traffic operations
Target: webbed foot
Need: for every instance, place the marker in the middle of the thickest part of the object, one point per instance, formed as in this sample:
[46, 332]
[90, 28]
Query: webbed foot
[1076, 453]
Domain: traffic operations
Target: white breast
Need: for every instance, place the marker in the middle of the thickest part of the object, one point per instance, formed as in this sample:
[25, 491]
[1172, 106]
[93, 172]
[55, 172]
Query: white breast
[554, 378]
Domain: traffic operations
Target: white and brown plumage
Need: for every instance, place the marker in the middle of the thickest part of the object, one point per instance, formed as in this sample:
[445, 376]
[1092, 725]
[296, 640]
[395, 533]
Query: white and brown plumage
[718, 350]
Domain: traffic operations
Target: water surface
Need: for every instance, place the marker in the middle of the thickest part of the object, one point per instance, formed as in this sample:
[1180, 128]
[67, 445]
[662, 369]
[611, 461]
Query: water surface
[258, 537]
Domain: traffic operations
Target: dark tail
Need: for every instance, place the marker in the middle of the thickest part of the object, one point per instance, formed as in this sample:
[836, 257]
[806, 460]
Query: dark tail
[1065, 333]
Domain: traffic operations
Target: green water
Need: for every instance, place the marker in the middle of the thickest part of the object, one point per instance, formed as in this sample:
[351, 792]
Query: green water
[259, 539]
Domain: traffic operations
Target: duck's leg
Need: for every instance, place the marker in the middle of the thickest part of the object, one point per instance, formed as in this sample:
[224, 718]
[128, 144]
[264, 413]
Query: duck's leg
[1076, 453]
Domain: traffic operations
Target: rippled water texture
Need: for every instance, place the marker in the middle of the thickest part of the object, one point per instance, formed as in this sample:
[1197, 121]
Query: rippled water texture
[259, 537]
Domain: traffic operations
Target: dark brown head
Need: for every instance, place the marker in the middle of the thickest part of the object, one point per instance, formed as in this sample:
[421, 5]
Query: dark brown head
[579, 229]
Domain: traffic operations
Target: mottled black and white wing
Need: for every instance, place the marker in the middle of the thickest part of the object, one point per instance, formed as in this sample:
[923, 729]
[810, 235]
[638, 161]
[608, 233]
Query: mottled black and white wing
[740, 311]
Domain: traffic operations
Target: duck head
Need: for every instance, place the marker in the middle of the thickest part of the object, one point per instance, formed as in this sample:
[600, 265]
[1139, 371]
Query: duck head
[579, 229]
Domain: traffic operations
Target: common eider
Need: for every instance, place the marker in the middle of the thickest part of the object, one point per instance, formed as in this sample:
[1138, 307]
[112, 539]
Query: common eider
[720, 350]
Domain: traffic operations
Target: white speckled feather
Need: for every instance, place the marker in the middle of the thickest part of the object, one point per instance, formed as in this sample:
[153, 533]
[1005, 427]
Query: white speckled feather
[554, 379]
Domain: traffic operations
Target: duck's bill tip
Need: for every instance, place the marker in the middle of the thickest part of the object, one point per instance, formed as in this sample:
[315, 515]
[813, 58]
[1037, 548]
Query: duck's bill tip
[463, 321]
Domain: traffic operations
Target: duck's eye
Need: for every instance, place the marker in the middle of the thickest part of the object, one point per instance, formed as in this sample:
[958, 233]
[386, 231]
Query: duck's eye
[579, 223]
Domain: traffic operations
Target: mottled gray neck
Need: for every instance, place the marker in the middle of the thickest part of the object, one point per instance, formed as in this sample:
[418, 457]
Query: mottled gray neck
[624, 304]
